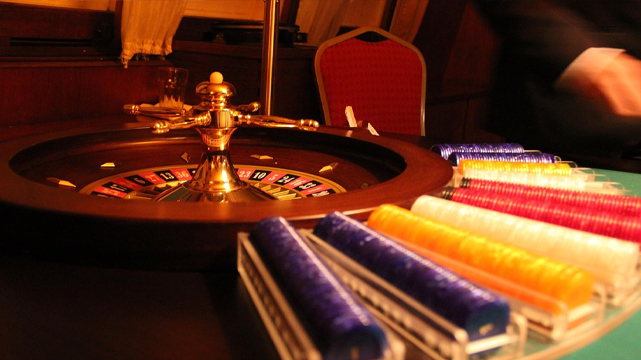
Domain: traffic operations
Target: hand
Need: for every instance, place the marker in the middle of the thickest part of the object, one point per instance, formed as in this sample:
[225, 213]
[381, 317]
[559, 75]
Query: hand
[617, 87]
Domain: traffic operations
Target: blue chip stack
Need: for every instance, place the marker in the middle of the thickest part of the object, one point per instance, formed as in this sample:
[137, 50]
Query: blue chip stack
[479, 312]
[337, 322]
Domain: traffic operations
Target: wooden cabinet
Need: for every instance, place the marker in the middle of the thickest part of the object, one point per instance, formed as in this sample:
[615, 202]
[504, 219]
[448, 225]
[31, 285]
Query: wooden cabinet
[294, 95]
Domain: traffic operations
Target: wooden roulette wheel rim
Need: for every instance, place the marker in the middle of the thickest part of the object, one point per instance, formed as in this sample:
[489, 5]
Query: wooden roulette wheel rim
[45, 221]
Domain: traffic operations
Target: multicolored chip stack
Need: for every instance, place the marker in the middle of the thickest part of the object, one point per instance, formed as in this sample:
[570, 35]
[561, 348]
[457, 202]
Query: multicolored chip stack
[566, 283]
[479, 312]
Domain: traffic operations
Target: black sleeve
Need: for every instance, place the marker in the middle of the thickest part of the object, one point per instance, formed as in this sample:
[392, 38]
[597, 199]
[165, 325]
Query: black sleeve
[542, 36]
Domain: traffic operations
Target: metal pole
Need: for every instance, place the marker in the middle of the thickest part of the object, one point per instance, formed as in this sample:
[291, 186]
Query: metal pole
[270, 45]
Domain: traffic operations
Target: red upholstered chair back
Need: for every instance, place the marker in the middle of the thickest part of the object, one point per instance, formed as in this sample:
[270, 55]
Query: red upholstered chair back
[383, 81]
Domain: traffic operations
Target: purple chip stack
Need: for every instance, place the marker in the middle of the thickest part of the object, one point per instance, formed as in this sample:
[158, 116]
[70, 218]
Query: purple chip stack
[444, 150]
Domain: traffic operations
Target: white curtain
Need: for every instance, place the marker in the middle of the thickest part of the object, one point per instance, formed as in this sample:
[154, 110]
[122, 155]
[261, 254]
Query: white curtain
[408, 16]
[148, 26]
[321, 20]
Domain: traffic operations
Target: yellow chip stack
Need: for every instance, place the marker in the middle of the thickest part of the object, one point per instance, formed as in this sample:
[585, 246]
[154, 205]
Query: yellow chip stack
[526, 167]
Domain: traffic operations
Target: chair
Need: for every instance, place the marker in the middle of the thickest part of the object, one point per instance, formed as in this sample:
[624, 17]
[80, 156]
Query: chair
[381, 76]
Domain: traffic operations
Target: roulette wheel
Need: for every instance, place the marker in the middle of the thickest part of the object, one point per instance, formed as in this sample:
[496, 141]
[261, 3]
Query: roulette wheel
[173, 193]
[85, 195]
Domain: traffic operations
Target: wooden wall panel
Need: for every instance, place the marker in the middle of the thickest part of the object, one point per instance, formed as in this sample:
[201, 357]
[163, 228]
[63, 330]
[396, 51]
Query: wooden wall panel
[466, 65]
[436, 35]
[54, 91]
[474, 51]
[444, 122]
[477, 112]
[35, 33]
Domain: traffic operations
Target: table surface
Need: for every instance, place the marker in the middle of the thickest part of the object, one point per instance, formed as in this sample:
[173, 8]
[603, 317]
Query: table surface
[53, 310]
[624, 341]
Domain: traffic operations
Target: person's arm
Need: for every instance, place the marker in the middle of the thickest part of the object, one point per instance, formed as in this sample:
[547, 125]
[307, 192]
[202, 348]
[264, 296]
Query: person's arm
[608, 77]
[540, 35]
[558, 45]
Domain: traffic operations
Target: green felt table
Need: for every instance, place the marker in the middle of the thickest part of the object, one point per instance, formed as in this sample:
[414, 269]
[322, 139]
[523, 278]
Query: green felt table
[624, 341]
[631, 181]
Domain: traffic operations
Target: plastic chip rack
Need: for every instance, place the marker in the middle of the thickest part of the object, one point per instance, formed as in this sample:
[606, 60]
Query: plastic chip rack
[548, 317]
[559, 299]
[307, 311]
[614, 263]
[463, 321]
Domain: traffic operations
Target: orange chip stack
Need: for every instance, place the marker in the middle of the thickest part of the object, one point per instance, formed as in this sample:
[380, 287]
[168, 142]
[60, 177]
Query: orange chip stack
[563, 282]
